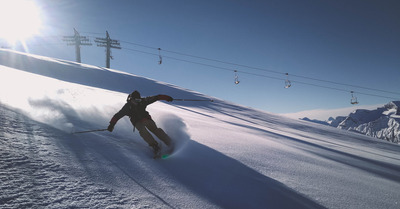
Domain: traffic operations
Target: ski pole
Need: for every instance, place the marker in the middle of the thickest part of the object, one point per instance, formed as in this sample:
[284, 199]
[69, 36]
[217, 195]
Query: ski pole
[194, 100]
[80, 132]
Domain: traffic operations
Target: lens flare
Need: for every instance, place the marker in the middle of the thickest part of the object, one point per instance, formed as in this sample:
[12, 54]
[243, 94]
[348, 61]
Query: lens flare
[19, 19]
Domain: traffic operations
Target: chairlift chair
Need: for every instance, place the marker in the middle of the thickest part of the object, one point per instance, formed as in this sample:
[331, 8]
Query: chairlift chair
[287, 82]
[159, 56]
[236, 78]
[353, 100]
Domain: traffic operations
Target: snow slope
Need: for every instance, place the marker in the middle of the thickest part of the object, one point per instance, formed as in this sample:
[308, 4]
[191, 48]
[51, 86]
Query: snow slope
[227, 155]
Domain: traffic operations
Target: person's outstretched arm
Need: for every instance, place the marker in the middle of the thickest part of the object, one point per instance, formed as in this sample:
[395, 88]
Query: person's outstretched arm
[124, 111]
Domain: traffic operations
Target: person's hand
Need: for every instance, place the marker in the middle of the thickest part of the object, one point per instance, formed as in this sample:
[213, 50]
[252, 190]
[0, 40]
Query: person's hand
[110, 127]
[169, 99]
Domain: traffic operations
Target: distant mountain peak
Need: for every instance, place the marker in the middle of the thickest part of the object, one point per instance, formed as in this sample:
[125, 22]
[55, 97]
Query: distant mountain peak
[382, 123]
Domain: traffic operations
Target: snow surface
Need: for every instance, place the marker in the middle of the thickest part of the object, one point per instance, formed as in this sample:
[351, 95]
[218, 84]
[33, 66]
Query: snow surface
[227, 155]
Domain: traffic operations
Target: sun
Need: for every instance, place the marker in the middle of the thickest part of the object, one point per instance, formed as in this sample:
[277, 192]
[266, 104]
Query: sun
[19, 19]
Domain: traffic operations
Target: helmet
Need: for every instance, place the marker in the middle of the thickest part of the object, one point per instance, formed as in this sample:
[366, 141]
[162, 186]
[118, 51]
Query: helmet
[133, 95]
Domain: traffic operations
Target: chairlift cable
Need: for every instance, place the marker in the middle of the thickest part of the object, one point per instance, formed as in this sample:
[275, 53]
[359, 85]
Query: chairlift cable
[251, 67]
[343, 84]
[266, 70]
[245, 66]
[260, 75]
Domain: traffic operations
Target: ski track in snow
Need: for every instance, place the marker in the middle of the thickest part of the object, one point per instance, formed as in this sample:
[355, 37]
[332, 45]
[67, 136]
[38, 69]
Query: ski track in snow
[44, 173]
[38, 175]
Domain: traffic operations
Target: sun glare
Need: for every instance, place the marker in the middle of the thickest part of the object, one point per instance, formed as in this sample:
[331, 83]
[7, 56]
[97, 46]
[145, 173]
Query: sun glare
[19, 19]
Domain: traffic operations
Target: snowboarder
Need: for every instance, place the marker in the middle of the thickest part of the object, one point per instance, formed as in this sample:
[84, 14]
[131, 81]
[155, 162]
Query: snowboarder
[135, 108]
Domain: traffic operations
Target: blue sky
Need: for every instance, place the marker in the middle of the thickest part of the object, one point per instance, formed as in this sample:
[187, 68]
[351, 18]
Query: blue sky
[354, 42]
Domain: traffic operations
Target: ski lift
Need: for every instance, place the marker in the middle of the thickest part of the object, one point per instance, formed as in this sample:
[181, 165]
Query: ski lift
[236, 77]
[353, 100]
[287, 82]
[159, 56]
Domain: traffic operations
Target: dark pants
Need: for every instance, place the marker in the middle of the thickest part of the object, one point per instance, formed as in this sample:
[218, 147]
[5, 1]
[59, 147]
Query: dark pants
[147, 125]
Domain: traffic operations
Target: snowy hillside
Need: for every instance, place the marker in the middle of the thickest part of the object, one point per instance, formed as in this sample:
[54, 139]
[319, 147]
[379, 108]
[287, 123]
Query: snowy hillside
[227, 155]
[382, 123]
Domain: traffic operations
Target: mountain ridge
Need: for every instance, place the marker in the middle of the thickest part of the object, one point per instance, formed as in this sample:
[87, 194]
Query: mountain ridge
[382, 123]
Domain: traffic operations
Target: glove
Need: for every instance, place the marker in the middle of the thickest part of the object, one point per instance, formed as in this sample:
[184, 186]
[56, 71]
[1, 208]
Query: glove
[110, 127]
[165, 97]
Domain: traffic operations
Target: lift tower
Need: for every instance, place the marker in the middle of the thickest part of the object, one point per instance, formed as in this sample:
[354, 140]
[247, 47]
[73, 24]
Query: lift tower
[108, 43]
[77, 40]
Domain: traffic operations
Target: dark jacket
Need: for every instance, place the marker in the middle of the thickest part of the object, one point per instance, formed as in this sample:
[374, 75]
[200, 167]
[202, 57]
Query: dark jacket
[137, 111]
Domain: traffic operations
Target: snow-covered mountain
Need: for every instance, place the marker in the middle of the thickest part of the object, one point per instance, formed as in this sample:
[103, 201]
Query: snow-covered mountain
[226, 156]
[382, 123]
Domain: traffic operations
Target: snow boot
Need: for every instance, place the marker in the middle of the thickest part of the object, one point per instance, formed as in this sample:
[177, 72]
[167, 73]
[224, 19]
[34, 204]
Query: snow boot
[156, 151]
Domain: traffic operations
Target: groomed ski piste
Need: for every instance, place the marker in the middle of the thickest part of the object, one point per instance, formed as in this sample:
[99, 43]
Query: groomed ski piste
[226, 155]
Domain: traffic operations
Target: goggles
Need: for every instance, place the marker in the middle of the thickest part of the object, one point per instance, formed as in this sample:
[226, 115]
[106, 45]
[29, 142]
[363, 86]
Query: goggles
[136, 100]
